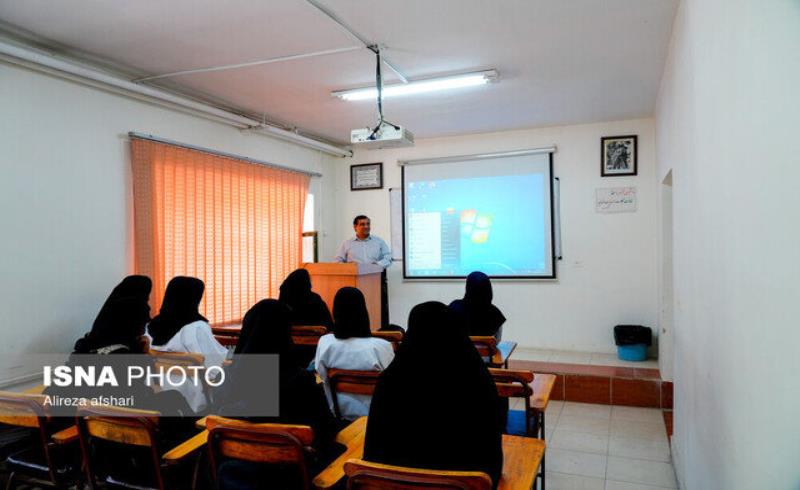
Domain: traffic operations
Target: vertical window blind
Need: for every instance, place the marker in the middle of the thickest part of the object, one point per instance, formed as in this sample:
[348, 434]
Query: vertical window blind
[236, 225]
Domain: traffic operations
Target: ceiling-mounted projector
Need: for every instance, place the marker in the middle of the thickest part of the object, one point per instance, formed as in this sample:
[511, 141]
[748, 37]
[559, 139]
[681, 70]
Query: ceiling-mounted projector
[386, 136]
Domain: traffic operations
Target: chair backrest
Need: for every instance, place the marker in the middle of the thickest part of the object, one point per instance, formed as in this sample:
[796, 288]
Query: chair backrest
[124, 428]
[486, 344]
[226, 335]
[270, 444]
[512, 383]
[23, 410]
[363, 475]
[308, 334]
[487, 348]
[168, 359]
[393, 336]
[145, 342]
[350, 381]
[227, 340]
[515, 383]
[301, 334]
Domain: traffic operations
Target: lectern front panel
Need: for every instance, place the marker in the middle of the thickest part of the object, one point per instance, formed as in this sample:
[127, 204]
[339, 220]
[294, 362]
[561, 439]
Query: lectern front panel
[328, 278]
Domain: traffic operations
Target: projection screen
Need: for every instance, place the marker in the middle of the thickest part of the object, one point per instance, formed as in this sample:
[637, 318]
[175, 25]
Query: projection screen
[488, 213]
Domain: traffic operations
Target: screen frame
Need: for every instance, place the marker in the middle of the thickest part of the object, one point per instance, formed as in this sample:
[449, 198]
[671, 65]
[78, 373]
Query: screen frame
[553, 257]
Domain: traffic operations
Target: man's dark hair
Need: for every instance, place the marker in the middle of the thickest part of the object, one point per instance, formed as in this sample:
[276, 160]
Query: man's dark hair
[360, 216]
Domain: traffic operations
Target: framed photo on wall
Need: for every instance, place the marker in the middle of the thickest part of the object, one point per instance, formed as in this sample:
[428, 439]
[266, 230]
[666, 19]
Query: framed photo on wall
[618, 155]
[366, 176]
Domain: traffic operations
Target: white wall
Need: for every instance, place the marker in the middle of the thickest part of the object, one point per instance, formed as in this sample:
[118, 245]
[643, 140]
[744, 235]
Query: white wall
[666, 297]
[608, 275]
[65, 199]
[727, 122]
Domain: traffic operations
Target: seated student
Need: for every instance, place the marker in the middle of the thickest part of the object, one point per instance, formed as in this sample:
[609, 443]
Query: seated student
[306, 308]
[119, 329]
[476, 310]
[479, 317]
[301, 400]
[135, 287]
[436, 405]
[179, 327]
[351, 346]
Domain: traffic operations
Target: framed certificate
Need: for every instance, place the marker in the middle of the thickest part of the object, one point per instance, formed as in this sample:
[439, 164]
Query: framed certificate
[366, 176]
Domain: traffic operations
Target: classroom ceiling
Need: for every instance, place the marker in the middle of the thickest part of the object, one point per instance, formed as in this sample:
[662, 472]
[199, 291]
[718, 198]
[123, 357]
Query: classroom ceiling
[560, 62]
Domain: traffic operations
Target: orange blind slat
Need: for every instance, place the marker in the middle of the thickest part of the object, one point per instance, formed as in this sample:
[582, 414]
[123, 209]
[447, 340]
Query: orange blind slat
[235, 225]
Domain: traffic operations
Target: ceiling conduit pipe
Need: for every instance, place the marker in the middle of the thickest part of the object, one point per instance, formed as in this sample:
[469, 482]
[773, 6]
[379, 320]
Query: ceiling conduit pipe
[37, 59]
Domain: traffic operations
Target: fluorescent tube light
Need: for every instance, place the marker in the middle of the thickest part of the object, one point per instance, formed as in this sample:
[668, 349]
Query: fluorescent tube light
[420, 86]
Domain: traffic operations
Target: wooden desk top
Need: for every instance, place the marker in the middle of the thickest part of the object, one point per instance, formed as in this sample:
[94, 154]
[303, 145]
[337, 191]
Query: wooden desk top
[521, 458]
[184, 449]
[331, 475]
[542, 388]
[36, 390]
[347, 436]
[66, 436]
[356, 428]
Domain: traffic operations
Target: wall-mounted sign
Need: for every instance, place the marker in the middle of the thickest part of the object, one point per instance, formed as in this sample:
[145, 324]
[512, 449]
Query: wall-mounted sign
[615, 200]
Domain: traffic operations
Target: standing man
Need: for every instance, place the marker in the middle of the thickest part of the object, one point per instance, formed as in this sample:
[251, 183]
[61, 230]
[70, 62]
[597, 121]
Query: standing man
[368, 249]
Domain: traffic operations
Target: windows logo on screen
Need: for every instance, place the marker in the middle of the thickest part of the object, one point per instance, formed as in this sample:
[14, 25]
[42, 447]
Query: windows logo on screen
[475, 225]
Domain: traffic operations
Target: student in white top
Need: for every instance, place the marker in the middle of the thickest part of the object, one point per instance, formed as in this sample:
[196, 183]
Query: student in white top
[179, 327]
[351, 346]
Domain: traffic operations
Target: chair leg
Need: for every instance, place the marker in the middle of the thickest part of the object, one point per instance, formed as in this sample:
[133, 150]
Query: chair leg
[542, 474]
[541, 425]
[10, 482]
[201, 456]
[542, 429]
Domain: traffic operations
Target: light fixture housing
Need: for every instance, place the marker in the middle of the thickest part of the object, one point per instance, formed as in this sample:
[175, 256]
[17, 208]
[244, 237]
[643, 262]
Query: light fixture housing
[420, 86]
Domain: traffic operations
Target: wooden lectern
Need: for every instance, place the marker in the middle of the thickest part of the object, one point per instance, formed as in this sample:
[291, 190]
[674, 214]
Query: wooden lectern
[329, 277]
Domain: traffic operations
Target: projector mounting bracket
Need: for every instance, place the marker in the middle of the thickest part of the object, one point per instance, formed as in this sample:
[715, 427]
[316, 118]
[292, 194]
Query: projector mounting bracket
[379, 86]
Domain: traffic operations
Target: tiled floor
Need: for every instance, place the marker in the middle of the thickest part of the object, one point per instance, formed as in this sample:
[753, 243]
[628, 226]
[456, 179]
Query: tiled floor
[606, 447]
[570, 357]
